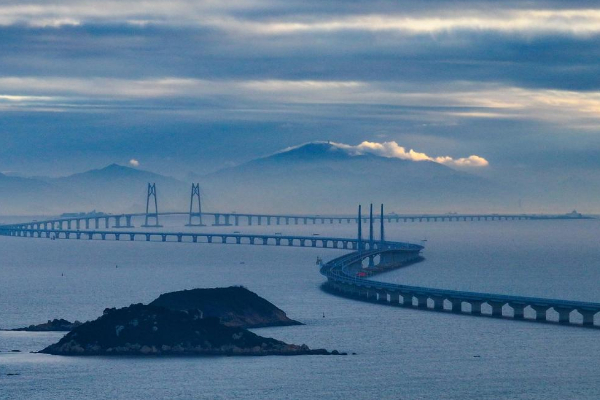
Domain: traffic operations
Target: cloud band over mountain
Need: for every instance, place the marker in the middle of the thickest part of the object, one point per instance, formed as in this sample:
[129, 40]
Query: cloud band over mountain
[394, 150]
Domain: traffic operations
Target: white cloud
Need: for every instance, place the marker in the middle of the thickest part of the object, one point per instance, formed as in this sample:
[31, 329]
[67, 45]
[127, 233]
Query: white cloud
[225, 16]
[134, 163]
[394, 150]
[447, 102]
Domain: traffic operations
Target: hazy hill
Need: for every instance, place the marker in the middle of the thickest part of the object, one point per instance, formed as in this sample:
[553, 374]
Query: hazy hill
[20, 195]
[112, 189]
[321, 177]
[117, 188]
[313, 178]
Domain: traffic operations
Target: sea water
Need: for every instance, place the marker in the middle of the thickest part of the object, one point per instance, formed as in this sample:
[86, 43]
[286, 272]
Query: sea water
[401, 353]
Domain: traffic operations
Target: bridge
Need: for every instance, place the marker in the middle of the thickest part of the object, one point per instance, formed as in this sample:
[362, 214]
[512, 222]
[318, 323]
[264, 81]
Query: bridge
[348, 275]
[127, 221]
[196, 217]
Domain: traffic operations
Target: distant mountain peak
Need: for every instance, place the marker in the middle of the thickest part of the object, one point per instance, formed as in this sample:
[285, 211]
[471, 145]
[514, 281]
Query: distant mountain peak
[317, 149]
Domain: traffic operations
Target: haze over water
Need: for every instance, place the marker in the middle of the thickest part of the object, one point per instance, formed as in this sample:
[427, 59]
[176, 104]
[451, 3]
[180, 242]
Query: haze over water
[401, 353]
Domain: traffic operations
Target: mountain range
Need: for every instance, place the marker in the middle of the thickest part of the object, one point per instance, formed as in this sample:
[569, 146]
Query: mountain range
[317, 177]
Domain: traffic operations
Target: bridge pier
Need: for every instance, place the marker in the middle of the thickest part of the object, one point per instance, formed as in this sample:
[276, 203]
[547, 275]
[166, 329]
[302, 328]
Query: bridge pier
[382, 297]
[475, 307]
[394, 298]
[421, 301]
[456, 305]
[540, 312]
[438, 303]
[407, 299]
[564, 314]
[588, 317]
[496, 308]
[518, 310]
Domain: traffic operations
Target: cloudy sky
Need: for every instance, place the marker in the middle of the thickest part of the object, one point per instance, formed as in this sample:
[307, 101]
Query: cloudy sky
[183, 86]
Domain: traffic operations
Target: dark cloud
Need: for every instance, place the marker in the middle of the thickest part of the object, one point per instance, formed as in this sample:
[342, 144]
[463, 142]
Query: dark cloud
[223, 84]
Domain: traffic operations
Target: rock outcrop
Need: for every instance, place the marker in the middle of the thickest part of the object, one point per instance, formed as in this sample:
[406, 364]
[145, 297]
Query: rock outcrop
[150, 330]
[55, 325]
[235, 306]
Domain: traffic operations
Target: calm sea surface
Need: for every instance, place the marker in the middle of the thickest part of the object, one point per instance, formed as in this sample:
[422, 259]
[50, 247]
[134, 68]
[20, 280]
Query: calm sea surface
[401, 353]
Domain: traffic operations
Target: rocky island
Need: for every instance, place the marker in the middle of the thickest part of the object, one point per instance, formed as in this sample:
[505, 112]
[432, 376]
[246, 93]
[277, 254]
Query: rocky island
[235, 306]
[152, 330]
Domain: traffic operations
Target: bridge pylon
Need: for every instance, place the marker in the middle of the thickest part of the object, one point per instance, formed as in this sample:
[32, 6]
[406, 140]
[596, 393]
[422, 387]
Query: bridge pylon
[195, 214]
[360, 243]
[371, 226]
[154, 214]
[381, 232]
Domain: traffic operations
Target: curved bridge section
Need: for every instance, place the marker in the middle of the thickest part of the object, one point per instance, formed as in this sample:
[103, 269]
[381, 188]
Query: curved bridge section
[344, 274]
[344, 277]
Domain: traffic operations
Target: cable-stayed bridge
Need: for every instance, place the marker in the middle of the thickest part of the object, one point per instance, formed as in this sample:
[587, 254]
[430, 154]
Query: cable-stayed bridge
[347, 275]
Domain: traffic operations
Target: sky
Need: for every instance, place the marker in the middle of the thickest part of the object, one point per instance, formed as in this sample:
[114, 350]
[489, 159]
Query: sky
[194, 86]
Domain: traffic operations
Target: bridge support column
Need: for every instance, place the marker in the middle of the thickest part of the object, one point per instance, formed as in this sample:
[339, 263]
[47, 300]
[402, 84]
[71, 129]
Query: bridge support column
[421, 301]
[438, 303]
[588, 317]
[540, 312]
[518, 310]
[382, 297]
[407, 299]
[563, 314]
[395, 298]
[496, 308]
[456, 305]
[475, 307]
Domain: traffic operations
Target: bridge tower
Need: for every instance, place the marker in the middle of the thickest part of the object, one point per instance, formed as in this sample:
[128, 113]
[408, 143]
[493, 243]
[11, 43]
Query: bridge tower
[359, 228]
[195, 195]
[371, 226]
[381, 232]
[150, 215]
[371, 261]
